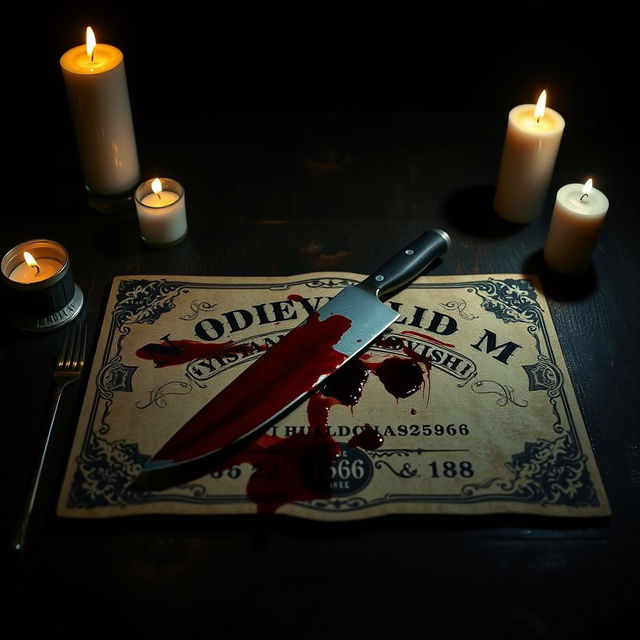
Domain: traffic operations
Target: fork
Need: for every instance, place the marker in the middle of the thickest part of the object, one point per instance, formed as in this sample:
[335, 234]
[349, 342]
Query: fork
[67, 371]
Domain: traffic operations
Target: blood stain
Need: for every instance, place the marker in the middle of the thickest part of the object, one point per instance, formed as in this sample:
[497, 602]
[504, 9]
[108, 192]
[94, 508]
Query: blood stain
[169, 353]
[367, 438]
[401, 377]
[281, 376]
[298, 467]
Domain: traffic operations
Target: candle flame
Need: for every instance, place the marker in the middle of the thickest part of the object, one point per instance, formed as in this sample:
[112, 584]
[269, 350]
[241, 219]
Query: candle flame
[586, 189]
[540, 105]
[91, 41]
[156, 186]
[30, 260]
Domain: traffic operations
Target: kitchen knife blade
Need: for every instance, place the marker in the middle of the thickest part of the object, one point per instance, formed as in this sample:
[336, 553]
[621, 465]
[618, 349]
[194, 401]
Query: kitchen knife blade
[291, 370]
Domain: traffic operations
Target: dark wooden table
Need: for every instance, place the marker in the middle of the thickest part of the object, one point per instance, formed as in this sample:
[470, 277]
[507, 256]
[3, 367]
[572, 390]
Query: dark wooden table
[328, 155]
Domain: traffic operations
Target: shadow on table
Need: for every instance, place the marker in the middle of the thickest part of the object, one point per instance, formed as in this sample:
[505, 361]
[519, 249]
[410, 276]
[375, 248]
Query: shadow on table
[507, 525]
[471, 211]
[558, 286]
[119, 237]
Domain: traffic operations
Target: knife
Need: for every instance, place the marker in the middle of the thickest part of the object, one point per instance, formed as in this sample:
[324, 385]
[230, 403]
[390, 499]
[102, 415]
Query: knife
[288, 372]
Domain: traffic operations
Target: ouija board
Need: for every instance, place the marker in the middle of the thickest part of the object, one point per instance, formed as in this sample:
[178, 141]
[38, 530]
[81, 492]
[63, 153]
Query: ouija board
[464, 405]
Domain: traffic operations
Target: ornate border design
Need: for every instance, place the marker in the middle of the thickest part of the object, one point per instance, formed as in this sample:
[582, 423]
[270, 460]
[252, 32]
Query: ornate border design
[510, 300]
[145, 301]
[546, 472]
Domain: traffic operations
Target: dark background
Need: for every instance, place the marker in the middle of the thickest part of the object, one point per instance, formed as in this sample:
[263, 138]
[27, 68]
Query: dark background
[301, 154]
[477, 62]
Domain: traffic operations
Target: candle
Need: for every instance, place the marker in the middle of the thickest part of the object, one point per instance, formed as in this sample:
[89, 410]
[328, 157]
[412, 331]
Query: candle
[529, 154]
[32, 270]
[96, 85]
[38, 287]
[578, 215]
[162, 214]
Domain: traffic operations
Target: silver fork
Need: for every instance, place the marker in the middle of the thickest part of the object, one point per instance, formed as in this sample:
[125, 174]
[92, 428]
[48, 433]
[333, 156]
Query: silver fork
[68, 370]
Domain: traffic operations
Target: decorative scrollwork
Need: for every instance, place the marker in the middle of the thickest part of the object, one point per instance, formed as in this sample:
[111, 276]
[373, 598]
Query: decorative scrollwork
[103, 473]
[196, 307]
[158, 394]
[544, 375]
[547, 472]
[405, 472]
[339, 503]
[387, 453]
[510, 300]
[330, 283]
[105, 470]
[470, 489]
[144, 301]
[504, 392]
[459, 306]
[115, 376]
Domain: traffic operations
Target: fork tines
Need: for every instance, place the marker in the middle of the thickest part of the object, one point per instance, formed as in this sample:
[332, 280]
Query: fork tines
[74, 348]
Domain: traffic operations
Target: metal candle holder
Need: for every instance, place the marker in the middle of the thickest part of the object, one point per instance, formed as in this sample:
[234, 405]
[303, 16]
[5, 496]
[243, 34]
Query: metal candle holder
[47, 304]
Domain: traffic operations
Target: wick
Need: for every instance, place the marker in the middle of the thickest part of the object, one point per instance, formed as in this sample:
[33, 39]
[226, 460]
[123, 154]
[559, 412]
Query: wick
[584, 195]
[92, 55]
[159, 196]
[37, 268]
[538, 120]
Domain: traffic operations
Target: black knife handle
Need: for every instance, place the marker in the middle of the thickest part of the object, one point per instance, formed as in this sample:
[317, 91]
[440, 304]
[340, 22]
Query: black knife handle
[408, 263]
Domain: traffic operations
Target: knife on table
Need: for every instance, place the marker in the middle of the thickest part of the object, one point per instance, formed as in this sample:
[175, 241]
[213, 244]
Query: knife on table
[288, 372]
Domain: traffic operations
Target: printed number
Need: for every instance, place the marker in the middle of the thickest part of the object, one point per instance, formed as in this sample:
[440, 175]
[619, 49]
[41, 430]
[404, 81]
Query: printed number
[450, 469]
[441, 430]
[346, 469]
[233, 472]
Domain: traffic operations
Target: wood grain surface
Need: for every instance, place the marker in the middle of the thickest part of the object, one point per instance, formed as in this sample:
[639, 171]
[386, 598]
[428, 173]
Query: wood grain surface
[327, 154]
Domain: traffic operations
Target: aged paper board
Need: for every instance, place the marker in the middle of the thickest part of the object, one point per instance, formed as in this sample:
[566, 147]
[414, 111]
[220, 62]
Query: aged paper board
[493, 428]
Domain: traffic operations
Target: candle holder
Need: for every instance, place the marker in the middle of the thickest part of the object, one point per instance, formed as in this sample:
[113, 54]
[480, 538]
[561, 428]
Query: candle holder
[44, 304]
[119, 203]
[162, 214]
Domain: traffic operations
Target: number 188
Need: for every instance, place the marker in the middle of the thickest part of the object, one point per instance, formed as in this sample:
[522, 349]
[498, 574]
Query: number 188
[450, 469]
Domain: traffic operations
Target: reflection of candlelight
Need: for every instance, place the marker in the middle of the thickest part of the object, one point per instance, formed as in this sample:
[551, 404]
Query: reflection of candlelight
[31, 261]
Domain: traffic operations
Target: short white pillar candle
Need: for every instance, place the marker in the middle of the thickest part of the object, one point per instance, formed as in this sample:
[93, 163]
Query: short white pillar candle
[162, 213]
[578, 215]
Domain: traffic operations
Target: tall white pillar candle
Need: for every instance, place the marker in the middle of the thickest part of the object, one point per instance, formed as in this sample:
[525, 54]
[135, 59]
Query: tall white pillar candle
[529, 154]
[96, 85]
[578, 215]
[162, 213]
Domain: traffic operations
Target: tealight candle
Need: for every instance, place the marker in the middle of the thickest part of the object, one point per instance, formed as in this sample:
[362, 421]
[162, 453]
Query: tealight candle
[529, 154]
[32, 270]
[38, 286]
[578, 215]
[162, 214]
[96, 84]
